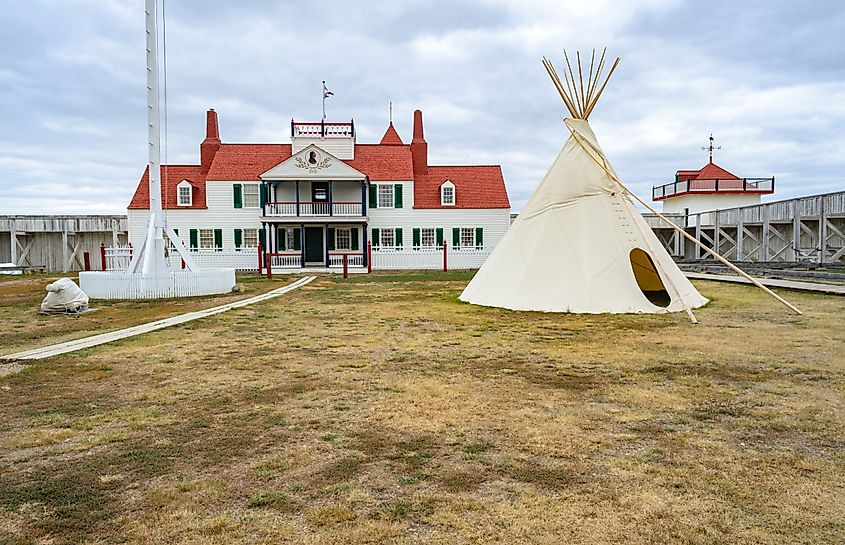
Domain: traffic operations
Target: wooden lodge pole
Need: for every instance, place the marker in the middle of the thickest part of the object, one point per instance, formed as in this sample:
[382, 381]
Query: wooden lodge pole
[709, 251]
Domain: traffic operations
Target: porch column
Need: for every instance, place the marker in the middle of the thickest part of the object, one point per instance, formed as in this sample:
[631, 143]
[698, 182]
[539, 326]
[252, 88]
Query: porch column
[364, 245]
[331, 211]
[364, 198]
[297, 198]
[326, 234]
[301, 234]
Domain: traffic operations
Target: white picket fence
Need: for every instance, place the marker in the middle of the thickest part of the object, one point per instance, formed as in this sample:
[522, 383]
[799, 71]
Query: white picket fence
[120, 285]
[428, 258]
[384, 258]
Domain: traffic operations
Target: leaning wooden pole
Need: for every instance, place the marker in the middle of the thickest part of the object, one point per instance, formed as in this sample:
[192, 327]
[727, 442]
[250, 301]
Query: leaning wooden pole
[709, 251]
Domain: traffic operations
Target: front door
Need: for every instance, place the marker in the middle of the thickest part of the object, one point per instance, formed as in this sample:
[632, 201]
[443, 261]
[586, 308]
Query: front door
[314, 245]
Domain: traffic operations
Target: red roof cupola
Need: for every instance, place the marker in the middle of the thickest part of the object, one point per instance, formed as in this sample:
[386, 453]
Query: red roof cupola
[391, 137]
[419, 147]
[211, 144]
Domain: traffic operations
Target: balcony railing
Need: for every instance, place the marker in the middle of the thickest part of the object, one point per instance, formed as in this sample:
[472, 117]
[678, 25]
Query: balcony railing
[308, 208]
[715, 185]
[322, 129]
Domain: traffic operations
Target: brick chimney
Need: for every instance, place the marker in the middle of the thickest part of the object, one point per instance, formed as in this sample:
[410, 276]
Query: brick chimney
[419, 147]
[211, 144]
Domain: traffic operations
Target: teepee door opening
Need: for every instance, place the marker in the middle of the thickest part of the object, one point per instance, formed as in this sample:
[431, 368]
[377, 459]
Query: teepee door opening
[648, 279]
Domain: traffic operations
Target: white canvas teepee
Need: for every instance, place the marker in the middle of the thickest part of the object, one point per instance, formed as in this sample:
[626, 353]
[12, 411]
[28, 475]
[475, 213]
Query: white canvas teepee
[579, 244]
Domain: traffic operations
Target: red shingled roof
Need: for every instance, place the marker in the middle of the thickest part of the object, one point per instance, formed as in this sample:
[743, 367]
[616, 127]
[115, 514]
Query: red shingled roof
[171, 175]
[391, 160]
[712, 171]
[475, 187]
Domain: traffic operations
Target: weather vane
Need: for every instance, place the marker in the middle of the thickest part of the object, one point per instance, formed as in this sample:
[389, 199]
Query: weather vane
[710, 148]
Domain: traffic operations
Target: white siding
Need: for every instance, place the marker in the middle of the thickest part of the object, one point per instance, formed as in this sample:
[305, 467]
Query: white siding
[221, 214]
[708, 202]
[494, 221]
[342, 148]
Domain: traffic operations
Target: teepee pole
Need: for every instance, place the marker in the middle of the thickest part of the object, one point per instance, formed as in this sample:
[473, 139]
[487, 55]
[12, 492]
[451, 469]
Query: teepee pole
[708, 250]
[601, 90]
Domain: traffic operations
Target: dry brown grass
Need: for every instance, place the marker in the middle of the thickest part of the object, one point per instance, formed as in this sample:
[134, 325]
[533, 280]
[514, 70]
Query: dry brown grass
[381, 410]
[22, 327]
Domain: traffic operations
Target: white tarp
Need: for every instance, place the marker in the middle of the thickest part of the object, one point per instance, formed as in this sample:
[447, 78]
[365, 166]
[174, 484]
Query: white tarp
[572, 248]
[64, 295]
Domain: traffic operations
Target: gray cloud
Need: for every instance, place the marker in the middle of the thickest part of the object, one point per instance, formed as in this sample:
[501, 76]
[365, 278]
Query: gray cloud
[765, 77]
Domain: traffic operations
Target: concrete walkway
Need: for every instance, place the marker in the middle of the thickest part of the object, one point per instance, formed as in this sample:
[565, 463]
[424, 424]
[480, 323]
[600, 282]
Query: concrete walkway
[103, 338]
[816, 287]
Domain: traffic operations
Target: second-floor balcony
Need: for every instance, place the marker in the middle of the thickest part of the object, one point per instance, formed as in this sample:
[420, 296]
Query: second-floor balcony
[713, 186]
[312, 208]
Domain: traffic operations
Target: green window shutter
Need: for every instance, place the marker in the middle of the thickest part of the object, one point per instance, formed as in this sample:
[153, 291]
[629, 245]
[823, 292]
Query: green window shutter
[297, 242]
[373, 196]
[262, 239]
[399, 241]
[218, 240]
[195, 239]
[280, 239]
[263, 191]
[456, 237]
[376, 238]
[416, 236]
[330, 237]
[239, 195]
[238, 239]
[397, 196]
[479, 237]
[354, 232]
[439, 232]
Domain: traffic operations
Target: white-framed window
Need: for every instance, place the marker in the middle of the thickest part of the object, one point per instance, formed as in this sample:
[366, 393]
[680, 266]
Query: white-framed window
[447, 193]
[206, 239]
[185, 194]
[343, 239]
[467, 237]
[385, 196]
[250, 238]
[289, 239]
[428, 237]
[388, 237]
[251, 196]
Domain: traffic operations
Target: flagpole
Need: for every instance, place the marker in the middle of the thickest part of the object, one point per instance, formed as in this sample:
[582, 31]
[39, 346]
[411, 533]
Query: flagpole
[324, 100]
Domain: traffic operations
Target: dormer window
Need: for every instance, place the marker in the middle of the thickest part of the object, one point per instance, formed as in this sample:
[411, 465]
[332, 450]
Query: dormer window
[185, 193]
[447, 193]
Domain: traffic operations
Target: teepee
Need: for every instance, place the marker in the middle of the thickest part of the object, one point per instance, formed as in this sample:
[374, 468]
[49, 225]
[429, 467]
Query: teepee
[579, 244]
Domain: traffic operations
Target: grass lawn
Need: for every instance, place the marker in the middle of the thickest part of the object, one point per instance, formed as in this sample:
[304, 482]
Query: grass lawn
[381, 410]
[22, 327]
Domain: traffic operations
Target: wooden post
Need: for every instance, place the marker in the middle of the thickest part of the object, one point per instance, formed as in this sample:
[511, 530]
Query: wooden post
[64, 249]
[717, 234]
[764, 244]
[86, 259]
[13, 241]
[822, 230]
[698, 235]
[269, 259]
[346, 265]
[260, 259]
[369, 256]
[740, 237]
[796, 229]
[445, 258]
[103, 263]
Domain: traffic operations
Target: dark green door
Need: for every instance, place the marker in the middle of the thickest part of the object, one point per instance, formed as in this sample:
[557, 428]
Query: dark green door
[314, 245]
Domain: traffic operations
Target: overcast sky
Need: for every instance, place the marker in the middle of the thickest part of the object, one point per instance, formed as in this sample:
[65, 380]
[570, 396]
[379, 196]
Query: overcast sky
[767, 78]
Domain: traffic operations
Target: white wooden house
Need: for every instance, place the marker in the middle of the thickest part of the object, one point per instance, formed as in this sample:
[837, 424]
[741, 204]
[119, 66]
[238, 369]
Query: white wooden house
[324, 195]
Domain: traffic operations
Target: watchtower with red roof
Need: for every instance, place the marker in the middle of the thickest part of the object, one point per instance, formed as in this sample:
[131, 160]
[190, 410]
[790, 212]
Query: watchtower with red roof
[710, 188]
